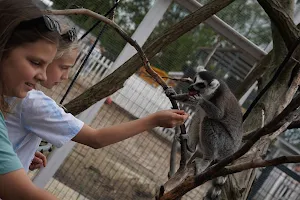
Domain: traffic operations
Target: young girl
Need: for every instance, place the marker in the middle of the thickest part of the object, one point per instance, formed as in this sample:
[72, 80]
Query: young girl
[38, 117]
[28, 43]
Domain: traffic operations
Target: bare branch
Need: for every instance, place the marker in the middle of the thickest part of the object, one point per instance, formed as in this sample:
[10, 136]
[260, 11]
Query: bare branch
[286, 61]
[143, 57]
[119, 30]
[105, 87]
[292, 89]
[286, 116]
[210, 55]
[295, 124]
[191, 182]
[261, 67]
[279, 131]
[187, 80]
[282, 21]
[256, 163]
[93, 95]
[254, 75]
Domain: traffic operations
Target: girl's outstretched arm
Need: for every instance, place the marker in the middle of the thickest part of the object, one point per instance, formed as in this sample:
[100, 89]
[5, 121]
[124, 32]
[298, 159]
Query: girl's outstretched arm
[98, 138]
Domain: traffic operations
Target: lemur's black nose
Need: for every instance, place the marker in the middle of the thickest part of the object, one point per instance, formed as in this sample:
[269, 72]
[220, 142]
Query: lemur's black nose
[191, 88]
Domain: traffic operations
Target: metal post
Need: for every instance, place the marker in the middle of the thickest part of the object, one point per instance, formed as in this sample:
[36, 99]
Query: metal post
[227, 31]
[143, 31]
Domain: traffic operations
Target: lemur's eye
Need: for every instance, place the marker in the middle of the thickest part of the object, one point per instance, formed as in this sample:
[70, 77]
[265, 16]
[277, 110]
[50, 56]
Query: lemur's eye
[200, 85]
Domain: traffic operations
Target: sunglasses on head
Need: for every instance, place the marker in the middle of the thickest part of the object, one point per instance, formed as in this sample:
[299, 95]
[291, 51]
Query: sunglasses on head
[70, 35]
[42, 23]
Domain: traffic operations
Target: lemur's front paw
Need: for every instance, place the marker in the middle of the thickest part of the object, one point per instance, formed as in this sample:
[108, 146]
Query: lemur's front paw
[170, 91]
[183, 136]
[196, 99]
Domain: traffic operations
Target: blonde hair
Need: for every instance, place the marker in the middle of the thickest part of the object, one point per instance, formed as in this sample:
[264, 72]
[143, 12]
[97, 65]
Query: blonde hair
[65, 46]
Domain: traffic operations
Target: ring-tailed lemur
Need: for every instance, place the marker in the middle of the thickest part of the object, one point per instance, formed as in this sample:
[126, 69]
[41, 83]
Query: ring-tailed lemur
[216, 128]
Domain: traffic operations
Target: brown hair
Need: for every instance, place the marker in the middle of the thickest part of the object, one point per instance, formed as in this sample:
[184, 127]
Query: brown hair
[12, 13]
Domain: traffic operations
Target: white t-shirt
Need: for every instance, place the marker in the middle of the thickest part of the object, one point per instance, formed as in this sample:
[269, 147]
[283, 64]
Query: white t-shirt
[38, 117]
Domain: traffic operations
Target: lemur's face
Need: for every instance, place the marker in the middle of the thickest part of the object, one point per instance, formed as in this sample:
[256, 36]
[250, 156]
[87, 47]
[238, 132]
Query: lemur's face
[205, 84]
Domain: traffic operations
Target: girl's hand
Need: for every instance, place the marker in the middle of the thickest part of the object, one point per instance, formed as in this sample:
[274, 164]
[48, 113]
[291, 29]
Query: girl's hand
[38, 161]
[169, 118]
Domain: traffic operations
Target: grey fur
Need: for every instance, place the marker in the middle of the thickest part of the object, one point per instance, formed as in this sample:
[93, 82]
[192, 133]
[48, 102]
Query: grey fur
[216, 128]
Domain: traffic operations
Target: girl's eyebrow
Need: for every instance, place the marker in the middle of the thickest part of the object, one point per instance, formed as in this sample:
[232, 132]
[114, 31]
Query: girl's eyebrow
[65, 65]
[37, 59]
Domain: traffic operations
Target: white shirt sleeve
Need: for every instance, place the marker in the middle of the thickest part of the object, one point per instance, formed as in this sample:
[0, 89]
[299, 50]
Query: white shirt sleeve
[41, 115]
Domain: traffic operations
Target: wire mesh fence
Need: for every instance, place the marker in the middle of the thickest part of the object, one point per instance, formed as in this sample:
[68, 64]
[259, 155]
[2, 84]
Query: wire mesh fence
[276, 183]
[134, 168]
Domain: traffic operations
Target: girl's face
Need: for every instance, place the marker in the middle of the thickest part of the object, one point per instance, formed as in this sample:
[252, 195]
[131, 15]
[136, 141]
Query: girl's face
[24, 66]
[58, 70]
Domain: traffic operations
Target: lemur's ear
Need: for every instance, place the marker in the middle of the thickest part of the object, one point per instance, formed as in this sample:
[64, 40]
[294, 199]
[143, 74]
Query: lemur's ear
[200, 68]
[214, 83]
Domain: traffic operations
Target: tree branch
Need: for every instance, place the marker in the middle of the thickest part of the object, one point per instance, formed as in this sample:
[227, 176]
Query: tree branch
[276, 75]
[119, 30]
[105, 87]
[256, 163]
[94, 94]
[191, 182]
[282, 21]
[289, 114]
[254, 75]
[295, 81]
[144, 59]
[294, 124]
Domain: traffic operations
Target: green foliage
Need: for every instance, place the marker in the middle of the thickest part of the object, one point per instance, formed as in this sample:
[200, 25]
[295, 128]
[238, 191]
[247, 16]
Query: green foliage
[245, 16]
[184, 51]
[248, 18]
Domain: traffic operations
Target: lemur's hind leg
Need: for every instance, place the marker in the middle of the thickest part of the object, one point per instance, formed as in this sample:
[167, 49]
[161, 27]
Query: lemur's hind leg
[202, 159]
[201, 164]
[211, 142]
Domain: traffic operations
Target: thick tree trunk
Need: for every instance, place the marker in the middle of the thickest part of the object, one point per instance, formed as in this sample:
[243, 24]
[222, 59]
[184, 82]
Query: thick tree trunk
[239, 185]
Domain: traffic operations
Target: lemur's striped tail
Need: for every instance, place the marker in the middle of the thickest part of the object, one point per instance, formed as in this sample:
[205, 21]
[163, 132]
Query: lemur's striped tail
[214, 193]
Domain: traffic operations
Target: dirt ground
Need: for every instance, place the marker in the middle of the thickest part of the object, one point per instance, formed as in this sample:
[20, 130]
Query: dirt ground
[127, 170]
